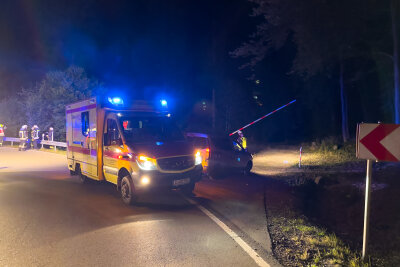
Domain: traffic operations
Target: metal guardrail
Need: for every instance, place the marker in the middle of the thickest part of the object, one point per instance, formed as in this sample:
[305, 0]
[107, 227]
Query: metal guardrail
[55, 144]
[11, 139]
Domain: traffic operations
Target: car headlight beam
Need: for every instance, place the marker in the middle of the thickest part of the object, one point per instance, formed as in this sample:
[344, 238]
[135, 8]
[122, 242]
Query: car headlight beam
[198, 158]
[146, 163]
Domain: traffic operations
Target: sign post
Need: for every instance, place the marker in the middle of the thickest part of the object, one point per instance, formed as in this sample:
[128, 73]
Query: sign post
[380, 142]
[366, 207]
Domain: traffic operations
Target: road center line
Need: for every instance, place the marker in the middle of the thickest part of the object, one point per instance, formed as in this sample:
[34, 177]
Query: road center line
[254, 255]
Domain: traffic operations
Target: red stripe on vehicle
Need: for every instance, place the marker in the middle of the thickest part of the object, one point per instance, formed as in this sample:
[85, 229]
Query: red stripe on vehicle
[86, 151]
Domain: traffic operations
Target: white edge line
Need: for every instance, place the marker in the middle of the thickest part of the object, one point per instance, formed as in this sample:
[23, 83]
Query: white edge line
[254, 255]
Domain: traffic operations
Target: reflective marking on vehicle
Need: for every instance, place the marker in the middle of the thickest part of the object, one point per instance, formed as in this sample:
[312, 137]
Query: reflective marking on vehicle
[110, 170]
[251, 252]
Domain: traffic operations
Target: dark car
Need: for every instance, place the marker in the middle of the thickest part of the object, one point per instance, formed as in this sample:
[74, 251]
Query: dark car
[221, 154]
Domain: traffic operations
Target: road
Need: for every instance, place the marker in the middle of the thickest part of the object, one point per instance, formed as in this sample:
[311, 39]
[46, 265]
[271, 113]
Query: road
[49, 219]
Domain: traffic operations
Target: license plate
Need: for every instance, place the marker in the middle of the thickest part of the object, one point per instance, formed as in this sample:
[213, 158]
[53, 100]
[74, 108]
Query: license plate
[181, 182]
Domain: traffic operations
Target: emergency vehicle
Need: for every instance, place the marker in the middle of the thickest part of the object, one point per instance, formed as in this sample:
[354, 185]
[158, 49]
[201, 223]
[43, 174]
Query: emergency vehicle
[221, 155]
[137, 148]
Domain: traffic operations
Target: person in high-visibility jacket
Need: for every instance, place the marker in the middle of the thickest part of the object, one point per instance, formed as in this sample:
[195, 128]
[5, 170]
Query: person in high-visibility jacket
[2, 134]
[242, 140]
[35, 136]
[24, 138]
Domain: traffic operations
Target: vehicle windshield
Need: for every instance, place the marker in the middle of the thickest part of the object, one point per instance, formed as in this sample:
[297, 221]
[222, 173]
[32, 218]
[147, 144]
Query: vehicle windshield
[150, 129]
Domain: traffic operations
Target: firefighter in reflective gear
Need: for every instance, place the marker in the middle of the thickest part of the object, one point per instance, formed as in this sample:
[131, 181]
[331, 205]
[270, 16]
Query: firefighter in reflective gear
[48, 136]
[23, 137]
[2, 128]
[242, 140]
[35, 136]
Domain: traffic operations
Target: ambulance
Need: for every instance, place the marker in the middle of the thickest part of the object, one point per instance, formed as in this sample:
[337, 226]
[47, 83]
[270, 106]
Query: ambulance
[136, 147]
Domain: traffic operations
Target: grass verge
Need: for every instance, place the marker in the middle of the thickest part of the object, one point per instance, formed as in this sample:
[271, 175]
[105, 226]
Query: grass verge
[328, 154]
[51, 150]
[302, 244]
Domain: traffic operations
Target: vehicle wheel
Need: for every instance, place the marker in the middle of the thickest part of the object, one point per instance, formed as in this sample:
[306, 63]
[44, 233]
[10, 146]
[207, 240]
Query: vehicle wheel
[127, 191]
[188, 189]
[248, 168]
[82, 178]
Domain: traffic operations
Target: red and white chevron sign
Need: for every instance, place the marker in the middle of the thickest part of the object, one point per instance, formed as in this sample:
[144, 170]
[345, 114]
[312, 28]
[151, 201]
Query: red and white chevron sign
[378, 141]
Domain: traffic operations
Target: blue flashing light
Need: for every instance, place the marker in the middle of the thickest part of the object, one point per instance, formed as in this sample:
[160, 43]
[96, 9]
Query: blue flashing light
[116, 101]
[159, 143]
[164, 102]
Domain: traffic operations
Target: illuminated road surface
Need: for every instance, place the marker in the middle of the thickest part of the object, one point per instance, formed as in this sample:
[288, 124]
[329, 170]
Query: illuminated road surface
[48, 219]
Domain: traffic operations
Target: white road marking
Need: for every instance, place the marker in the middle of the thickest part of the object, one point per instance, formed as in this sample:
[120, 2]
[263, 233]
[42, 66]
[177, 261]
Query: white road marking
[254, 255]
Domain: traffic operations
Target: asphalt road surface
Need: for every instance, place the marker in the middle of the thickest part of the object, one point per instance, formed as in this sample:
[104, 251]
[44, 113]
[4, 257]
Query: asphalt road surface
[48, 219]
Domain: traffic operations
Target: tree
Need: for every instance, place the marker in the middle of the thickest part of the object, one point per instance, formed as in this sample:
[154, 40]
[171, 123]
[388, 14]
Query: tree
[12, 115]
[326, 34]
[45, 103]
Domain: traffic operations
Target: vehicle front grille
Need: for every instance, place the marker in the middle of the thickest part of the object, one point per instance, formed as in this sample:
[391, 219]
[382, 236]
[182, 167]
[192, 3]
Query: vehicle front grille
[176, 163]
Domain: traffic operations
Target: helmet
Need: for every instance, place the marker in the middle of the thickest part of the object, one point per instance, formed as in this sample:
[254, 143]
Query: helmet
[240, 133]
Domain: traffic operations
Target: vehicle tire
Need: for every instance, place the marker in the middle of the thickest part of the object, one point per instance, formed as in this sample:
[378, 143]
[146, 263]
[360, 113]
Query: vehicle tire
[127, 191]
[188, 189]
[82, 178]
[248, 168]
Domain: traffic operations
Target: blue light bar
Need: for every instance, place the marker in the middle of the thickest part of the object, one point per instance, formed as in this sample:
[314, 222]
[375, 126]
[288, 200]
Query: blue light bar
[116, 101]
[164, 102]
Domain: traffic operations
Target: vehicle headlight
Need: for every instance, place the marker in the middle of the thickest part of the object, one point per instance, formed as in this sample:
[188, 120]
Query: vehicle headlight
[197, 158]
[146, 163]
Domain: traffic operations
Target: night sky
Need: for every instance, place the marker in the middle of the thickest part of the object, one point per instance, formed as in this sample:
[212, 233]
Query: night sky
[145, 48]
[128, 45]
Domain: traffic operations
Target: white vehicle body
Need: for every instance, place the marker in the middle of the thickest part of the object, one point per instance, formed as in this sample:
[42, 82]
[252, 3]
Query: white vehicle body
[82, 141]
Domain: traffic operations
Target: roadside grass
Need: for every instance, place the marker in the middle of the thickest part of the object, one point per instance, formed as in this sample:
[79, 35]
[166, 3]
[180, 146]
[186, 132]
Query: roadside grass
[310, 245]
[6, 144]
[51, 150]
[327, 153]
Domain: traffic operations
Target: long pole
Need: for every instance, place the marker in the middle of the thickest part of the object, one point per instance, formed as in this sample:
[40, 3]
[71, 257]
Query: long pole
[213, 109]
[263, 117]
[366, 208]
